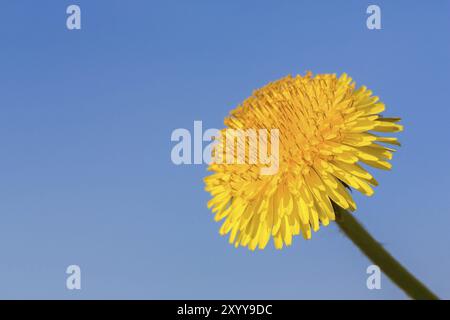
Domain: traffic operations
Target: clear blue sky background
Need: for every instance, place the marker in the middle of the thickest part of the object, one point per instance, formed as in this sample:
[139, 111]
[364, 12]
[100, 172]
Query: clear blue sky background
[85, 123]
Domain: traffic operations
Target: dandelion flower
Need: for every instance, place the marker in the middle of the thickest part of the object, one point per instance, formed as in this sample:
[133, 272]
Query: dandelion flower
[327, 136]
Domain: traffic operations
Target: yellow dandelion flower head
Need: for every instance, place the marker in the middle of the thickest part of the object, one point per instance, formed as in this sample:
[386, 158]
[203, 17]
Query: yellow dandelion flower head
[327, 129]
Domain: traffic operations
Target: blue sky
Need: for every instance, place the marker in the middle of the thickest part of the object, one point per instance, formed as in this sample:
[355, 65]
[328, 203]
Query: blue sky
[85, 124]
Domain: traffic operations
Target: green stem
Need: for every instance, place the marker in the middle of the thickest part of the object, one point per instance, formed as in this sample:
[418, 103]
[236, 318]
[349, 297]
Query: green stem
[379, 256]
